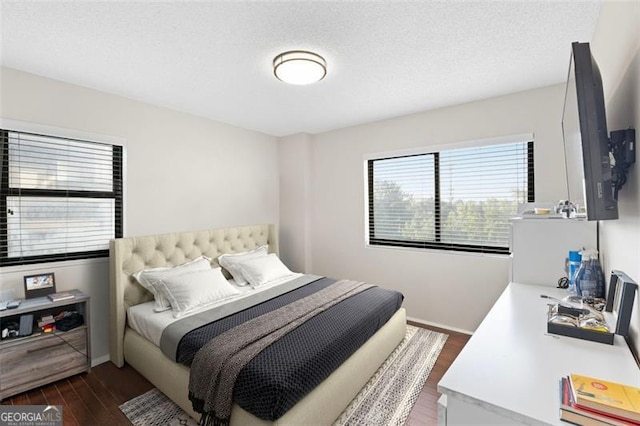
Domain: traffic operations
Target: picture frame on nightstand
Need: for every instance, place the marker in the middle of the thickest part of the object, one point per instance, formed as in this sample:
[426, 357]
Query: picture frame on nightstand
[39, 285]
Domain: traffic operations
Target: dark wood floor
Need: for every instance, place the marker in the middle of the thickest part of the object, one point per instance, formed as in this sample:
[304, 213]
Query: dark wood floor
[425, 411]
[90, 399]
[93, 399]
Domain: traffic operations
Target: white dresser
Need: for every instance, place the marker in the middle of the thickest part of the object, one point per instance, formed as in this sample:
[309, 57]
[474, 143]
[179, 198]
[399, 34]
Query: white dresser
[508, 373]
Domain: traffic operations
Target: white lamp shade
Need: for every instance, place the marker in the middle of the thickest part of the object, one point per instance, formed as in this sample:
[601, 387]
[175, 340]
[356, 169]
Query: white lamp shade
[299, 67]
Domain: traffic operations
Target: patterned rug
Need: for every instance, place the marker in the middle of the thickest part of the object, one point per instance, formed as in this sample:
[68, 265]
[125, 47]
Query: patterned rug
[387, 399]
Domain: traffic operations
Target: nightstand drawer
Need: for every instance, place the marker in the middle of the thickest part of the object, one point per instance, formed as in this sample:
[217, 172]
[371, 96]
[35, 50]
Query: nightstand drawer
[29, 363]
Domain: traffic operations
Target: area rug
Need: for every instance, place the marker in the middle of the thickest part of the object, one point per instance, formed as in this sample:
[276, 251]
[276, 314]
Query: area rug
[387, 399]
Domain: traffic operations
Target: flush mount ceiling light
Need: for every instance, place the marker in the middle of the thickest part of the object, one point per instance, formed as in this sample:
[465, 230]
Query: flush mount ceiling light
[299, 67]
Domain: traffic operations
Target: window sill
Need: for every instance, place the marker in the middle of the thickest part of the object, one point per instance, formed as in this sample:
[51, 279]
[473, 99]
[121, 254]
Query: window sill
[38, 267]
[438, 251]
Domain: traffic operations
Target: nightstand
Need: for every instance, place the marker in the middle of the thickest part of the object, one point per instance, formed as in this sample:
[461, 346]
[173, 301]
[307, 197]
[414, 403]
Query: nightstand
[41, 358]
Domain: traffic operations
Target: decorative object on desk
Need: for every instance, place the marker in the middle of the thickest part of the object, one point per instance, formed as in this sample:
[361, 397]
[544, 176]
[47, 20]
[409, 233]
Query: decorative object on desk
[567, 321]
[572, 414]
[604, 397]
[568, 316]
[39, 285]
[56, 297]
[619, 302]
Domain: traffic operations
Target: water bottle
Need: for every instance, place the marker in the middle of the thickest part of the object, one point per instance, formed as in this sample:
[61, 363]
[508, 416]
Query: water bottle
[573, 263]
[589, 279]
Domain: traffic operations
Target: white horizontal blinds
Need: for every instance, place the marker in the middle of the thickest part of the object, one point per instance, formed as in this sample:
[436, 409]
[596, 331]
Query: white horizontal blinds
[459, 199]
[480, 191]
[42, 162]
[39, 226]
[403, 198]
[63, 198]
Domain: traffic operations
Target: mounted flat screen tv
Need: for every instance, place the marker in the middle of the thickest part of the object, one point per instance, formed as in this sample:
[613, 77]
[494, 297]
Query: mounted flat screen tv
[590, 180]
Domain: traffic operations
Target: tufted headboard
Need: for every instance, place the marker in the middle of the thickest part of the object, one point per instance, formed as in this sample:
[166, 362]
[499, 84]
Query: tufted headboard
[129, 255]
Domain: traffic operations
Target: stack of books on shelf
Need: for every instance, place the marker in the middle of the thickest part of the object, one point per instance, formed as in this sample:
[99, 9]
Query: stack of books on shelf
[47, 323]
[589, 401]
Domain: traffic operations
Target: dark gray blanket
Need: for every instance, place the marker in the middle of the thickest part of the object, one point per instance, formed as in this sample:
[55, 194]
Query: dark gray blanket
[283, 373]
[216, 366]
[172, 335]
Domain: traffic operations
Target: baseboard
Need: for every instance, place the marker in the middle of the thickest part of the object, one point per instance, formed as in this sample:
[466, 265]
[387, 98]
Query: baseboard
[435, 324]
[100, 360]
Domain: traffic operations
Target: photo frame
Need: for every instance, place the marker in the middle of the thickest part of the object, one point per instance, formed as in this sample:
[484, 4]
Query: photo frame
[39, 285]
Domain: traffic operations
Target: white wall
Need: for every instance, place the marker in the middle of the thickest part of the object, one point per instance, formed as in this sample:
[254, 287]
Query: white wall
[616, 48]
[447, 288]
[294, 153]
[182, 173]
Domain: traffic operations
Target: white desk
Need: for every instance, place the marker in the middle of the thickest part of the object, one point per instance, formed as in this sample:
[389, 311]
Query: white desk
[508, 372]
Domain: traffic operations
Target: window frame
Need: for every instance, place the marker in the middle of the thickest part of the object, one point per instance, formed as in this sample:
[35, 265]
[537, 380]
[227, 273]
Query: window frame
[117, 193]
[372, 241]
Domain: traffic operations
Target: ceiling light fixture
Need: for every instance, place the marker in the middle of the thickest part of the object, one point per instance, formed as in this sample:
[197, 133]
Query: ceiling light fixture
[299, 67]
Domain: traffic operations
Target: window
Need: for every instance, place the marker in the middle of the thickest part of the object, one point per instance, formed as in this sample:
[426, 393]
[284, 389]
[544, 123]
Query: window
[458, 199]
[60, 198]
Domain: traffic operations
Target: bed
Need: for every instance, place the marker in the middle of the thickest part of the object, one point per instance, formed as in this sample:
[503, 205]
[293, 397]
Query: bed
[129, 255]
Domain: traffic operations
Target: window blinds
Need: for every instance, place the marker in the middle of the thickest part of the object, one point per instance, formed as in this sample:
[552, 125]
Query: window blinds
[403, 203]
[459, 199]
[61, 198]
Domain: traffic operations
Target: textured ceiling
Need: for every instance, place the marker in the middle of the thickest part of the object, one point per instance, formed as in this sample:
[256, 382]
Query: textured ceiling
[213, 59]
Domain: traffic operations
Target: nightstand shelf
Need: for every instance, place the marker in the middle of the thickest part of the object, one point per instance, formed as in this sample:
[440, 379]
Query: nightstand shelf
[41, 358]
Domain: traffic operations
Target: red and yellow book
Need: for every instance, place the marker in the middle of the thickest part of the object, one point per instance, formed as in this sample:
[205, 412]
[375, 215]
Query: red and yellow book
[609, 398]
[579, 416]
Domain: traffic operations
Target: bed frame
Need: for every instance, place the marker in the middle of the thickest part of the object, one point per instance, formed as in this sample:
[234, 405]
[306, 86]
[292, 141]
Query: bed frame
[128, 255]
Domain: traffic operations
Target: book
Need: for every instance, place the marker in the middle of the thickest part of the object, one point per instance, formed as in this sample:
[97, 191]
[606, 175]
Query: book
[55, 297]
[46, 321]
[49, 328]
[604, 397]
[572, 414]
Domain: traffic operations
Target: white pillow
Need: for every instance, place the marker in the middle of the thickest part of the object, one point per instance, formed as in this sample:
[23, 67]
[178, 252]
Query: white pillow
[231, 261]
[262, 270]
[191, 290]
[148, 278]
